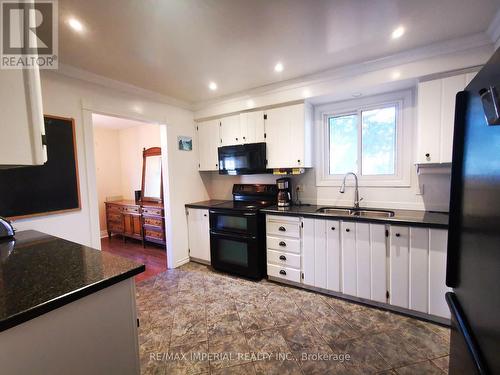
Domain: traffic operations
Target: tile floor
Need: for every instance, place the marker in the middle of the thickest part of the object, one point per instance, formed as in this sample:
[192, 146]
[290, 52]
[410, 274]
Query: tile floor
[197, 321]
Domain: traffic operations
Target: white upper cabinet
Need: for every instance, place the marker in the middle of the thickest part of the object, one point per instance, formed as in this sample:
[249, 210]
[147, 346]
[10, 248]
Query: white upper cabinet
[208, 142]
[252, 127]
[21, 123]
[288, 136]
[436, 117]
[230, 131]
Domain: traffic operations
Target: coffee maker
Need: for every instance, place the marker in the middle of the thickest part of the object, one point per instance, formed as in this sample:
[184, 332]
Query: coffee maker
[284, 192]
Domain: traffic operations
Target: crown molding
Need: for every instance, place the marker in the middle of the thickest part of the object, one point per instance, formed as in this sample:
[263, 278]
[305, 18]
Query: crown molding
[493, 30]
[417, 54]
[84, 75]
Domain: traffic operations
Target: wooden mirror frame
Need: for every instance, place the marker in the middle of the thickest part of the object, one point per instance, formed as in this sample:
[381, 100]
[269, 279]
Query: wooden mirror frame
[153, 151]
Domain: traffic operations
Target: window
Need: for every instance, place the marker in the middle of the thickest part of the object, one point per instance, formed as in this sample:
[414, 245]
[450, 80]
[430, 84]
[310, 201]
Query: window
[367, 136]
[364, 141]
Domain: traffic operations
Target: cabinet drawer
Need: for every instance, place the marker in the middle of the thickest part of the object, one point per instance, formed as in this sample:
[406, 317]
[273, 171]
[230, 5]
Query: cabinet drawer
[288, 245]
[283, 273]
[131, 210]
[283, 259]
[111, 208]
[153, 234]
[113, 216]
[155, 222]
[115, 227]
[281, 228]
[152, 211]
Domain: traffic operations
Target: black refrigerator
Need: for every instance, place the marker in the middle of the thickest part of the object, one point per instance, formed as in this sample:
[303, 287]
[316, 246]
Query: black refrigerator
[473, 262]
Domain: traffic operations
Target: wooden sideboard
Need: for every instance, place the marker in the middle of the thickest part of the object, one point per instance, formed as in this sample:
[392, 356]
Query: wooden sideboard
[143, 221]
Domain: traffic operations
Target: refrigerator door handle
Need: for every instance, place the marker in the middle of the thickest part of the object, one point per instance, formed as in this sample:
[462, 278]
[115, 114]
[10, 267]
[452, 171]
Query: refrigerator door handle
[452, 266]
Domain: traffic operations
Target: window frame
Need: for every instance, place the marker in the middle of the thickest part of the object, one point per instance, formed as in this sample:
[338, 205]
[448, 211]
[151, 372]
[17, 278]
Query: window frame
[403, 100]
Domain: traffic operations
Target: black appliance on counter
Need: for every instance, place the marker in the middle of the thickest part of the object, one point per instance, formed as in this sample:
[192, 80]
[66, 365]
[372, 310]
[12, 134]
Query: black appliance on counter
[249, 158]
[284, 191]
[473, 259]
[238, 233]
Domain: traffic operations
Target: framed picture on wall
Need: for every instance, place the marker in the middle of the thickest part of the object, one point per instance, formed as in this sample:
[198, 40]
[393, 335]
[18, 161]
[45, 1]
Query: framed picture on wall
[185, 143]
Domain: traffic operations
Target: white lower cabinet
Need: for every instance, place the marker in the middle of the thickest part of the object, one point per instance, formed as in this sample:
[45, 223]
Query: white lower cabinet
[199, 234]
[392, 264]
[418, 269]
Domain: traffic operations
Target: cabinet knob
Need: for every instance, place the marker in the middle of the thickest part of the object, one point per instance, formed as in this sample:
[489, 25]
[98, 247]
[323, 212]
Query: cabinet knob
[236, 138]
[282, 257]
[244, 137]
[298, 161]
[282, 229]
[347, 230]
[398, 235]
[282, 272]
[333, 228]
[205, 215]
[282, 243]
[216, 165]
[427, 155]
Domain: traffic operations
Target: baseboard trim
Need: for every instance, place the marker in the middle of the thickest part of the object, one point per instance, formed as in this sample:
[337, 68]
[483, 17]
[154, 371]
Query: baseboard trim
[104, 233]
[181, 262]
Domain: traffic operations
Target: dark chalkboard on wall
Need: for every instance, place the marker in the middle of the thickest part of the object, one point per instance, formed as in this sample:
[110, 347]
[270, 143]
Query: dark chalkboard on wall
[49, 188]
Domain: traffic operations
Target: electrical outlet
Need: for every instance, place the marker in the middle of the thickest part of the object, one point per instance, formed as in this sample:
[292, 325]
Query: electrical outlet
[299, 188]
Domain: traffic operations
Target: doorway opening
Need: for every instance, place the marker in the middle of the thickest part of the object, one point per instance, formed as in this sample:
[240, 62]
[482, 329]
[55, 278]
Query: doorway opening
[129, 177]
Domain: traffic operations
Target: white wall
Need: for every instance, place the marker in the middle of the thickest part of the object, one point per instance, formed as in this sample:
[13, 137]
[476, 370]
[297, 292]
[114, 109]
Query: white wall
[132, 142]
[74, 98]
[107, 168]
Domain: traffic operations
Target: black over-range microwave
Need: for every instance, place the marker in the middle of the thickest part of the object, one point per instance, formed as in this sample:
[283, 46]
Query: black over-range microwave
[249, 158]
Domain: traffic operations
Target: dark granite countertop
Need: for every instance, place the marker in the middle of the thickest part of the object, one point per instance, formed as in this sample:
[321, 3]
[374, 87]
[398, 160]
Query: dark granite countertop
[39, 273]
[205, 204]
[405, 217]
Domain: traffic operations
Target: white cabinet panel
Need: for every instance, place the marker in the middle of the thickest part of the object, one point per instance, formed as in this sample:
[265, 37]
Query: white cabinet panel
[252, 127]
[363, 264]
[378, 262]
[429, 121]
[21, 123]
[349, 258]
[208, 142]
[283, 244]
[283, 259]
[287, 139]
[419, 269]
[286, 229]
[285, 273]
[437, 273]
[450, 87]
[230, 131]
[398, 294]
[333, 255]
[320, 264]
[308, 251]
[199, 234]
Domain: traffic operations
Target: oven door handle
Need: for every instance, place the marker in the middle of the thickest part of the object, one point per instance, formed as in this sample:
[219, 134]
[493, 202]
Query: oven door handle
[232, 235]
[232, 213]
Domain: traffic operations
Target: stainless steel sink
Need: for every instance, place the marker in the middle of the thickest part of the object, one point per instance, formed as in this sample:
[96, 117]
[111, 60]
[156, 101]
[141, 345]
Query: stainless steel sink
[334, 211]
[372, 213]
[355, 212]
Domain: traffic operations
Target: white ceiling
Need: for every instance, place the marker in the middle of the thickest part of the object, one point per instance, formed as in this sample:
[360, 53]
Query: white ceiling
[109, 122]
[176, 47]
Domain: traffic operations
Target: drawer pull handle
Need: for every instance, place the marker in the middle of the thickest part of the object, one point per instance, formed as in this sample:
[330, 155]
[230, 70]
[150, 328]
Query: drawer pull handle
[282, 229]
[282, 243]
[282, 272]
[282, 257]
[347, 230]
[397, 235]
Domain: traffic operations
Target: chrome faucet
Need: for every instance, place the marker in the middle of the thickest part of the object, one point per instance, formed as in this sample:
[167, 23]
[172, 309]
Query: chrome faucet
[356, 191]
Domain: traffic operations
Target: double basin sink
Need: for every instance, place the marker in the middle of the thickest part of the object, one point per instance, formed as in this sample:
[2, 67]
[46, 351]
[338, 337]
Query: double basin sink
[355, 212]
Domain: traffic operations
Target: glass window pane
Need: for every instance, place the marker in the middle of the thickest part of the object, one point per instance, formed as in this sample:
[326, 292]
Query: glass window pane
[379, 141]
[343, 144]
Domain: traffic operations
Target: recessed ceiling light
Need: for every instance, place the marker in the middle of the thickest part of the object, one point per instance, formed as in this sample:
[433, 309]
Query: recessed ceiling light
[398, 32]
[212, 86]
[75, 24]
[250, 103]
[278, 67]
[396, 75]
